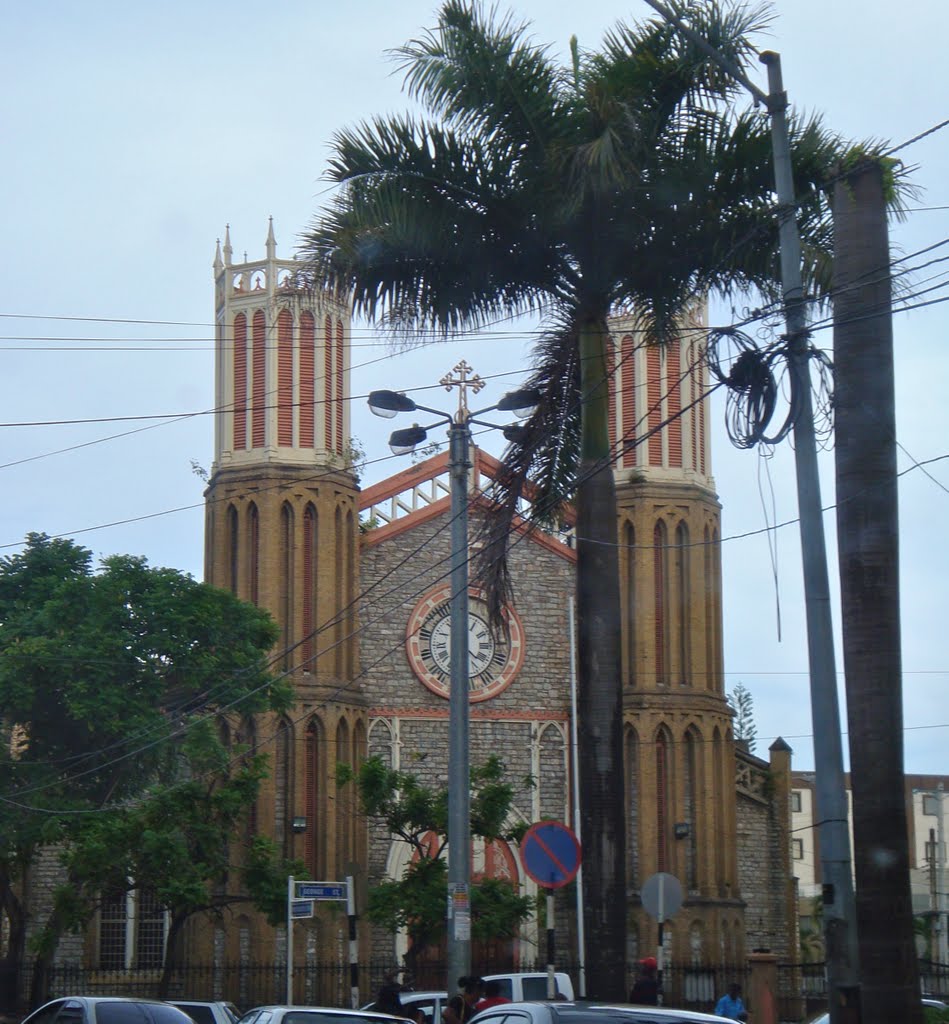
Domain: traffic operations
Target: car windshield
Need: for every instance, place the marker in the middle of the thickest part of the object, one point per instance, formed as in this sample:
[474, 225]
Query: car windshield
[316, 1017]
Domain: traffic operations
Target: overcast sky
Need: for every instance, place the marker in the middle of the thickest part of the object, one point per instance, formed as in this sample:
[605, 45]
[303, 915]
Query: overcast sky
[134, 132]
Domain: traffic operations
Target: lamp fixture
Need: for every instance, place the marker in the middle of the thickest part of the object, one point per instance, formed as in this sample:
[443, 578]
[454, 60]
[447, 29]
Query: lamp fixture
[522, 402]
[401, 442]
[389, 403]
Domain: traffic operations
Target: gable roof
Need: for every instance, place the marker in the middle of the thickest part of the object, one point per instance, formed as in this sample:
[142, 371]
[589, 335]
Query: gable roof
[422, 492]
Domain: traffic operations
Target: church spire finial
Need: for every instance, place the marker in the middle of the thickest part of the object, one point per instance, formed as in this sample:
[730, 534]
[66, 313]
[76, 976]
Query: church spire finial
[218, 264]
[271, 242]
[228, 251]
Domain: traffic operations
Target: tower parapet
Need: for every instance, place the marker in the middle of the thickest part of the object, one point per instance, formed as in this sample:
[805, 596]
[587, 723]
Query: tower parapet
[281, 365]
[658, 416]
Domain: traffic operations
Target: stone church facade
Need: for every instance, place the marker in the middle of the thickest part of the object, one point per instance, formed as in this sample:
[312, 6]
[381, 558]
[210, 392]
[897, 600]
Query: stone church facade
[350, 575]
[356, 580]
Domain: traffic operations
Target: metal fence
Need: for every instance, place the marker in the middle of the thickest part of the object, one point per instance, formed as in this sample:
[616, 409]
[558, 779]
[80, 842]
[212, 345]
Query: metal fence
[802, 988]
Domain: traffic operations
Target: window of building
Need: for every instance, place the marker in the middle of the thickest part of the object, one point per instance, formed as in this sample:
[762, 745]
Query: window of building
[931, 804]
[795, 801]
[133, 928]
[797, 849]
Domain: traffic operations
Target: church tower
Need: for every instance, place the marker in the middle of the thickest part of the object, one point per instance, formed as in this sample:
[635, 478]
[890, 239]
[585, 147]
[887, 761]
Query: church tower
[282, 532]
[679, 751]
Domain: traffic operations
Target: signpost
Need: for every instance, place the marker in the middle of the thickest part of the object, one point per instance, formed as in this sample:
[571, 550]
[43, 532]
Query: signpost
[550, 853]
[302, 898]
[661, 896]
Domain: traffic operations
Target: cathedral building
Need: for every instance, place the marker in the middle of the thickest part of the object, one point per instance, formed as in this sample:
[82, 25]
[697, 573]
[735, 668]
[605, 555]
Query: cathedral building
[357, 581]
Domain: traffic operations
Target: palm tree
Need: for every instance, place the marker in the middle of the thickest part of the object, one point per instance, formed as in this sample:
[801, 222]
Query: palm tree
[868, 555]
[623, 178]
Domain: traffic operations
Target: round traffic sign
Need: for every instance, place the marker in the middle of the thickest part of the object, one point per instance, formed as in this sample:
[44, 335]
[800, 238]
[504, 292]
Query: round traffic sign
[661, 895]
[550, 853]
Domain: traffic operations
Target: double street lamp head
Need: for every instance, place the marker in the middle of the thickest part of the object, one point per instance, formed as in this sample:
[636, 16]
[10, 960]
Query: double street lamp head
[388, 404]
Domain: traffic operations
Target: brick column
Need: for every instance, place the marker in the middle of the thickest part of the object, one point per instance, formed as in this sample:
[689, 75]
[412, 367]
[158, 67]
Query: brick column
[762, 994]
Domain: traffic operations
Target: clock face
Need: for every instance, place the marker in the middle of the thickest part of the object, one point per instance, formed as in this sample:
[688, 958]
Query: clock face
[492, 662]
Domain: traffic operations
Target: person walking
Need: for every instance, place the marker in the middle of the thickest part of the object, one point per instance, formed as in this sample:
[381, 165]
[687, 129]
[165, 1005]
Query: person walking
[731, 1004]
[645, 990]
[388, 999]
[461, 1007]
[492, 996]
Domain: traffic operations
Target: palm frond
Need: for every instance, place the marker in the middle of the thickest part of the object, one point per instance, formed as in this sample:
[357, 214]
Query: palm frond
[429, 232]
[482, 75]
[541, 467]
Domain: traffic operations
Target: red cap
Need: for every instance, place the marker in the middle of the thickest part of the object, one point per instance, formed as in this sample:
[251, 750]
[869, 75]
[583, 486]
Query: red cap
[649, 963]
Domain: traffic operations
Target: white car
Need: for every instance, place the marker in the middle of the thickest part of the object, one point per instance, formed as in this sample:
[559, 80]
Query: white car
[557, 1012]
[313, 1015]
[824, 1018]
[207, 1012]
[519, 986]
[106, 1010]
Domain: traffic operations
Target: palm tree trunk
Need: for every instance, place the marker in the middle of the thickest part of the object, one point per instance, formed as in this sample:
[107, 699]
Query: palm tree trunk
[868, 551]
[599, 701]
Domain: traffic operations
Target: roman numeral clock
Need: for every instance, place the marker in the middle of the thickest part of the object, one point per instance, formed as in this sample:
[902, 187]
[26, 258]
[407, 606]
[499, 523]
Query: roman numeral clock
[493, 661]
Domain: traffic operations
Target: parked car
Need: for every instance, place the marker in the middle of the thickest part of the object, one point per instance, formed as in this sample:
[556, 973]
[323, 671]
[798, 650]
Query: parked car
[824, 1018]
[313, 1015]
[202, 1012]
[107, 1010]
[556, 1012]
[522, 985]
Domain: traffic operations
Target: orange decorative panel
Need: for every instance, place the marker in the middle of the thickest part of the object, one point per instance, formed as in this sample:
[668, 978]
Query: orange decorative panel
[259, 394]
[674, 407]
[285, 378]
[339, 387]
[654, 398]
[628, 378]
[307, 380]
[240, 381]
[328, 384]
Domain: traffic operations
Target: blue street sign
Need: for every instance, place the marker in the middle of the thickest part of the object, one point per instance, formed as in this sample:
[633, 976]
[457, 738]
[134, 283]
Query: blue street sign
[320, 890]
[550, 854]
[301, 908]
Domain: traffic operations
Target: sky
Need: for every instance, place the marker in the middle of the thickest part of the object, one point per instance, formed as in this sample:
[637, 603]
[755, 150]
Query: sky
[133, 133]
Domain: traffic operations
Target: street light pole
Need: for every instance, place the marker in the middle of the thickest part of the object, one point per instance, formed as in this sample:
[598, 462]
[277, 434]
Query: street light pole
[459, 820]
[520, 403]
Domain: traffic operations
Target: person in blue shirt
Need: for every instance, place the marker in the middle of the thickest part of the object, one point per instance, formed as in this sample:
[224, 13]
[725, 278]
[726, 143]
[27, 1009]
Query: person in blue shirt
[731, 1005]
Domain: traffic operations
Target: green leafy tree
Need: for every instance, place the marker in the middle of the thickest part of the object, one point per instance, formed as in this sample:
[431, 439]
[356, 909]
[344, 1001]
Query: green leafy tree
[418, 815]
[811, 932]
[111, 684]
[743, 704]
[625, 178]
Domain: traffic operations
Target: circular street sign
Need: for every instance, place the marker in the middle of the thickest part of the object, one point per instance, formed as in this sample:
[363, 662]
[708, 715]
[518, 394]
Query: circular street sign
[550, 853]
[661, 895]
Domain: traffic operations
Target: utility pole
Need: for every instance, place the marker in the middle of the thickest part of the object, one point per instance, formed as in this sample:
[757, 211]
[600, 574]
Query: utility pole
[942, 933]
[839, 913]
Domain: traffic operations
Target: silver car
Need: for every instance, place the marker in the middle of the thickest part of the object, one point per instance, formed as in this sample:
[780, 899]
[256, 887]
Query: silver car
[106, 1010]
[590, 1013]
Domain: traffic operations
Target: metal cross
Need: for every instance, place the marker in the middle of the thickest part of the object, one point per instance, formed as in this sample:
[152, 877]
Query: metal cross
[464, 383]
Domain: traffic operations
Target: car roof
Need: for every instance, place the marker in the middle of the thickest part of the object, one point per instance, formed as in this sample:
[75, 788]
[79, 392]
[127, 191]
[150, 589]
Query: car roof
[334, 1011]
[564, 1009]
